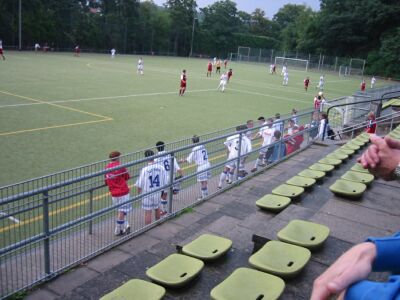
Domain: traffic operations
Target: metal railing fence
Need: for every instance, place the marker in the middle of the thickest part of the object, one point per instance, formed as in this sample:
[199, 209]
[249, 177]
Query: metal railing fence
[52, 223]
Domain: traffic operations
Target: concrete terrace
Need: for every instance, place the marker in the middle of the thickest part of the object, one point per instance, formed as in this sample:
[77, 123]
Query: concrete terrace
[234, 215]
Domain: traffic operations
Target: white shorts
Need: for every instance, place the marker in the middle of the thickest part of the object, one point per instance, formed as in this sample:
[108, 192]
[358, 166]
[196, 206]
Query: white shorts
[204, 176]
[123, 208]
[231, 165]
[152, 201]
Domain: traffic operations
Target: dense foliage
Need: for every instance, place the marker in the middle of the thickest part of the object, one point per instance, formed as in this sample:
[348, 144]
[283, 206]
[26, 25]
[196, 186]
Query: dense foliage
[350, 28]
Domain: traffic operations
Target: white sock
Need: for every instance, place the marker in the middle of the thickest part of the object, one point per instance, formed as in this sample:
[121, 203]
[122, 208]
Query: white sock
[222, 178]
[204, 192]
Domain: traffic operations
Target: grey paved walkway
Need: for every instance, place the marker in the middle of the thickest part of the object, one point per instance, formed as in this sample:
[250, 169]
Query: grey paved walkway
[234, 215]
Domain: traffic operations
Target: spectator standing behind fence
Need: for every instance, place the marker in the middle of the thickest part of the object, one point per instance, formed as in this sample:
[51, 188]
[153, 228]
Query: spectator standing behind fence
[371, 125]
[116, 181]
[294, 116]
[267, 133]
[278, 150]
[151, 178]
[199, 156]
[347, 276]
[323, 126]
[293, 144]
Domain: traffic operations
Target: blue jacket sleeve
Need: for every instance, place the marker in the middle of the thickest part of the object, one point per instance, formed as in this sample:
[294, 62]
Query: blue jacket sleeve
[388, 253]
[369, 290]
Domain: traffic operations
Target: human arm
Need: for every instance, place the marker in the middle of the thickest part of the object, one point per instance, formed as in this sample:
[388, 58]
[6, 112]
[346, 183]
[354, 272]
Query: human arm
[377, 254]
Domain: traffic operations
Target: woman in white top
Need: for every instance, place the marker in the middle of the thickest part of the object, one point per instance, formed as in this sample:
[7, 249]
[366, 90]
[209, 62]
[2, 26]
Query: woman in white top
[323, 126]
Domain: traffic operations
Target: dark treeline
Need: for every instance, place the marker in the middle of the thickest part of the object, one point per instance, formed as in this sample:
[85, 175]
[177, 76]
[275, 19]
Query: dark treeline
[347, 28]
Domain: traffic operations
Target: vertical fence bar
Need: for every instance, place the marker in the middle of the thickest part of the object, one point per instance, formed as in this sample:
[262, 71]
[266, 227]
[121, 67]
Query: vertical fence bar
[91, 211]
[46, 230]
[171, 182]
[239, 155]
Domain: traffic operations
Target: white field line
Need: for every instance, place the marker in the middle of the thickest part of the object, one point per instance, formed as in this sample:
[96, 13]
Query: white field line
[267, 95]
[10, 217]
[105, 98]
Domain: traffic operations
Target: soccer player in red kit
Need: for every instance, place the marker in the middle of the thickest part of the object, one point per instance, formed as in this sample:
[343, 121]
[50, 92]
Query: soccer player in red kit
[362, 87]
[183, 83]
[119, 190]
[209, 68]
[1, 50]
[230, 73]
[306, 83]
[77, 50]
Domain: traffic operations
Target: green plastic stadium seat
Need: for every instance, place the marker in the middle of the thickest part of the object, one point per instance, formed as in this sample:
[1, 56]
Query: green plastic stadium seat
[357, 142]
[207, 247]
[394, 135]
[362, 139]
[337, 155]
[273, 202]
[348, 188]
[301, 181]
[175, 270]
[330, 161]
[303, 233]
[359, 168]
[358, 177]
[364, 135]
[245, 283]
[312, 174]
[321, 167]
[350, 146]
[136, 289]
[287, 190]
[281, 259]
[349, 152]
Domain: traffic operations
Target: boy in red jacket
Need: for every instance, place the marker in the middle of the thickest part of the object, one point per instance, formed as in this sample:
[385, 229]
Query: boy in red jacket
[119, 190]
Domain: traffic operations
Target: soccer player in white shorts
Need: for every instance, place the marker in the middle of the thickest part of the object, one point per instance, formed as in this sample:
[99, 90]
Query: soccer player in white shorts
[266, 133]
[285, 78]
[140, 66]
[113, 53]
[199, 156]
[151, 178]
[223, 81]
[373, 82]
[165, 161]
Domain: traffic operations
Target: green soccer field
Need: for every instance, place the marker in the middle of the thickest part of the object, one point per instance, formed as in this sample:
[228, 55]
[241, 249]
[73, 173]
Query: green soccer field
[58, 111]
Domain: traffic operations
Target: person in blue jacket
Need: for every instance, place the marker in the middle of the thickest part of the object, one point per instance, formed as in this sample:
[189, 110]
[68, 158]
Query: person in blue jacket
[346, 277]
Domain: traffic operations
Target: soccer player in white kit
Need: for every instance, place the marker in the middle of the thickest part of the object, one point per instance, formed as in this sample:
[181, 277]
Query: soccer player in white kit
[232, 146]
[140, 66]
[284, 70]
[166, 161]
[151, 178]
[285, 78]
[373, 82]
[321, 83]
[113, 52]
[199, 156]
[223, 81]
[266, 133]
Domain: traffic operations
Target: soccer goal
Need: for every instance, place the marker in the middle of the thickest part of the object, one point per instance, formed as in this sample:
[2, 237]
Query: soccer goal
[343, 71]
[356, 66]
[233, 56]
[292, 62]
[243, 53]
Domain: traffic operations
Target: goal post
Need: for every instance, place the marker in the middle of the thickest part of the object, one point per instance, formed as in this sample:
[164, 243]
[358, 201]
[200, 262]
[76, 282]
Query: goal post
[292, 62]
[243, 53]
[343, 71]
[357, 66]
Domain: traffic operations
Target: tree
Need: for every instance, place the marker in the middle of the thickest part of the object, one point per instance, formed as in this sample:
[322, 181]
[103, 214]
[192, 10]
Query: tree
[182, 13]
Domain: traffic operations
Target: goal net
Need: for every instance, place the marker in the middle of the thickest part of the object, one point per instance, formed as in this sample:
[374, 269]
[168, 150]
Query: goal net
[356, 66]
[343, 71]
[301, 64]
[243, 53]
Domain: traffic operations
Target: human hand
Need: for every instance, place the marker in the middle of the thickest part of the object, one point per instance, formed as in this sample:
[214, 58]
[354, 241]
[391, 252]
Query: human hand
[382, 157]
[354, 265]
